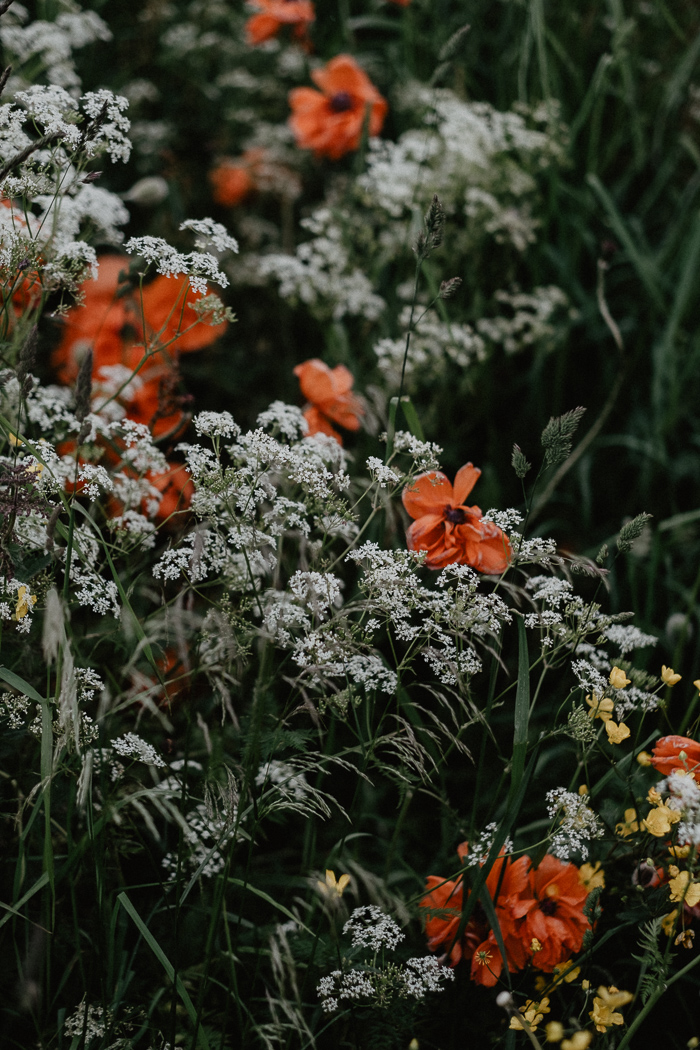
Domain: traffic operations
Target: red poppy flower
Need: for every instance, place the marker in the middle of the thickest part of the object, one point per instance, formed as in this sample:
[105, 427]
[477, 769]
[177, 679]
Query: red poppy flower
[666, 755]
[330, 397]
[273, 14]
[450, 532]
[550, 911]
[330, 121]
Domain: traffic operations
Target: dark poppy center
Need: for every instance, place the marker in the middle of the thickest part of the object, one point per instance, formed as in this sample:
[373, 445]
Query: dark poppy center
[548, 906]
[455, 514]
[341, 101]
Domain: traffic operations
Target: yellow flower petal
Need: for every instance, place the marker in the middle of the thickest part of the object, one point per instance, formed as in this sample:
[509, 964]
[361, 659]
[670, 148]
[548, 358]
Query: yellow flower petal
[601, 707]
[644, 758]
[618, 678]
[591, 877]
[669, 676]
[617, 733]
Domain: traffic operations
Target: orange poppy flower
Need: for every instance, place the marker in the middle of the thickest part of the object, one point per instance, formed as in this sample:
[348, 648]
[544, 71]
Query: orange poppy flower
[666, 756]
[549, 910]
[112, 325]
[273, 14]
[330, 121]
[330, 397]
[444, 899]
[450, 532]
[233, 180]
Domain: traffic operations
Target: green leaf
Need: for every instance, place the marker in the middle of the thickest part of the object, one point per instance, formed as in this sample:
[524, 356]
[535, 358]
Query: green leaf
[164, 961]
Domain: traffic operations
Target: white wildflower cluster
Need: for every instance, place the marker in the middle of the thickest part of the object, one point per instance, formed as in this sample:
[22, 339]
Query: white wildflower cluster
[628, 638]
[210, 234]
[283, 419]
[480, 162]
[87, 1023]
[480, 848]
[578, 823]
[321, 273]
[136, 748]
[381, 474]
[199, 267]
[216, 424]
[531, 321]
[432, 344]
[425, 454]
[683, 795]
[540, 550]
[47, 47]
[507, 520]
[370, 927]
[15, 708]
[550, 590]
[284, 778]
[425, 974]
[352, 985]
[206, 837]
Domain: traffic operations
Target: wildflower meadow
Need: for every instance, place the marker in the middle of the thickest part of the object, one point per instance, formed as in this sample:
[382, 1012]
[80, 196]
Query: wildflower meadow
[349, 524]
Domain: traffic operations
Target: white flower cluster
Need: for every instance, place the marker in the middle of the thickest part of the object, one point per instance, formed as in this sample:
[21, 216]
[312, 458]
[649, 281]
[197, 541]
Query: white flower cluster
[431, 345]
[480, 848]
[370, 927]
[210, 234]
[425, 974]
[199, 267]
[321, 274]
[381, 474]
[683, 795]
[50, 45]
[425, 454]
[532, 319]
[284, 778]
[578, 823]
[628, 638]
[352, 985]
[132, 746]
[216, 424]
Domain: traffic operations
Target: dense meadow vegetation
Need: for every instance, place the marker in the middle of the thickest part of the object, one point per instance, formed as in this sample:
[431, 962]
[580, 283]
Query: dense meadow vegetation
[300, 747]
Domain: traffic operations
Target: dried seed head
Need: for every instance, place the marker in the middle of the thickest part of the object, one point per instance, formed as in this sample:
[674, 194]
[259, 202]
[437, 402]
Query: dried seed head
[448, 288]
[430, 236]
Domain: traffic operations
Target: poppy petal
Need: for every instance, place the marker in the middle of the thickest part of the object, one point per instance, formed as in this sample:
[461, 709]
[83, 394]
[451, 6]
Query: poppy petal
[465, 480]
[429, 493]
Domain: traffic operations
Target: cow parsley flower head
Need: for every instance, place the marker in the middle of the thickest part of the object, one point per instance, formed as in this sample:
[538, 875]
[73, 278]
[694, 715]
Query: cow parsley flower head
[578, 824]
[370, 927]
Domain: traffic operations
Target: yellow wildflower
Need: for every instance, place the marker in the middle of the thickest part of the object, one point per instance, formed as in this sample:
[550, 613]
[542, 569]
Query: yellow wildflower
[616, 733]
[668, 923]
[604, 1013]
[331, 887]
[535, 945]
[693, 1043]
[644, 758]
[629, 825]
[696, 683]
[583, 789]
[680, 852]
[25, 601]
[532, 1012]
[591, 877]
[414, 1045]
[600, 707]
[683, 888]
[579, 1041]
[618, 678]
[659, 821]
[653, 797]
[585, 985]
[566, 972]
[669, 676]
[554, 1031]
[15, 441]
